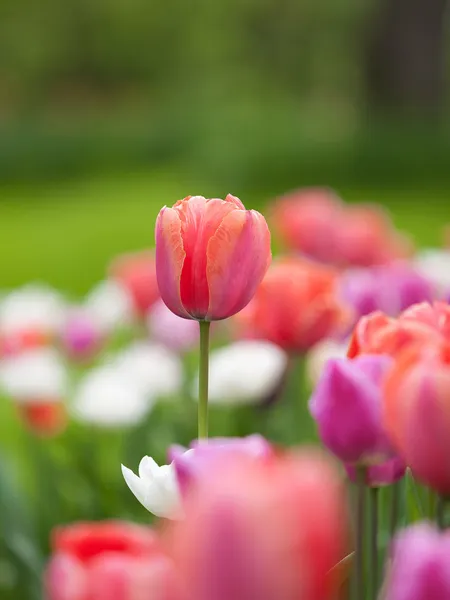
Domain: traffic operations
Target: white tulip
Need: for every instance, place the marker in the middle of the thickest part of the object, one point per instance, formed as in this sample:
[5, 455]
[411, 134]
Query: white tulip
[155, 369]
[34, 375]
[156, 488]
[435, 266]
[110, 306]
[245, 372]
[32, 307]
[109, 399]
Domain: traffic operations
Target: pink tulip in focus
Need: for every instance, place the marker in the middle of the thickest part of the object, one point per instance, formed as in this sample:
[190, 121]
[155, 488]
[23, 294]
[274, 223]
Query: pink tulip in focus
[420, 565]
[386, 473]
[211, 255]
[137, 273]
[108, 561]
[265, 531]
[169, 329]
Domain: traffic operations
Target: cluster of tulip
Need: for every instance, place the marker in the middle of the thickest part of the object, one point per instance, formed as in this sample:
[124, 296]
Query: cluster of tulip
[242, 518]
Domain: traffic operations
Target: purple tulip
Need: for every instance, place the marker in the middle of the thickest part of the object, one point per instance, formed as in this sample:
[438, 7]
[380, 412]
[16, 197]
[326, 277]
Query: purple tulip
[346, 405]
[420, 565]
[391, 289]
[192, 462]
[81, 337]
[386, 473]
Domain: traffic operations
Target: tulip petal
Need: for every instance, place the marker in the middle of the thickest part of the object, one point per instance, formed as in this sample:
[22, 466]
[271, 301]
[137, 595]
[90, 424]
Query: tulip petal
[170, 258]
[238, 256]
[135, 484]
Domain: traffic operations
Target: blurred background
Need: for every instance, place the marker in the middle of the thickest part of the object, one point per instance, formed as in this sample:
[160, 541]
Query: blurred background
[111, 109]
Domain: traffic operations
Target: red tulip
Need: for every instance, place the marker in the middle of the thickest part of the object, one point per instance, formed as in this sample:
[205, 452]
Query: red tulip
[268, 530]
[107, 561]
[419, 324]
[417, 412]
[211, 255]
[295, 306]
[137, 273]
[43, 418]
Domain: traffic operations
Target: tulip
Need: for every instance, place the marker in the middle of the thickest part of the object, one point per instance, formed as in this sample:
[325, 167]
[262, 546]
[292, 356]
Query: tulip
[81, 337]
[246, 372]
[347, 406]
[419, 568]
[137, 273]
[101, 561]
[108, 398]
[317, 223]
[211, 255]
[268, 530]
[389, 288]
[295, 306]
[37, 381]
[386, 473]
[156, 487]
[318, 356]
[110, 306]
[417, 409]
[435, 266]
[417, 325]
[166, 328]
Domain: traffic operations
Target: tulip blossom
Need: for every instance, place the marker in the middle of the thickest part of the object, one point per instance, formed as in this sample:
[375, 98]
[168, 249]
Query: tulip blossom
[81, 337]
[107, 398]
[262, 530]
[137, 273]
[386, 473]
[416, 410]
[36, 380]
[347, 406]
[246, 372]
[211, 255]
[389, 288]
[320, 225]
[152, 368]
[105, 560]
[167, 328]
[435, 266]
[159, 488]
[110, 306]
[318, 356]
[419, 324]
[295, 306]
[419, 569]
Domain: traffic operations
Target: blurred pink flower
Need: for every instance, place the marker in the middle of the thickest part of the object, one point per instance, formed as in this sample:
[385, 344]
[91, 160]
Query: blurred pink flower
[383, 474]
[81, 338]
[169, 329]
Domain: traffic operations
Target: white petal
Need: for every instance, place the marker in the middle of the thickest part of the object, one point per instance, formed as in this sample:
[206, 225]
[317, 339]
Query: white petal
[148, 468]
[110, 306]
[135, 484]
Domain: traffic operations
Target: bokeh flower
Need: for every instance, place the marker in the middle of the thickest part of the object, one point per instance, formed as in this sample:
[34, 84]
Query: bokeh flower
[105, 560]
[136, 272]
[434, 264]
[81, 337]
[383, 474]
[245, 372]
[295, 306]
[110, 306]
[318, 356]
[417, 412]
[419, 567]
[271, 530]
[167, 328]
[211, 255]
[347, 406]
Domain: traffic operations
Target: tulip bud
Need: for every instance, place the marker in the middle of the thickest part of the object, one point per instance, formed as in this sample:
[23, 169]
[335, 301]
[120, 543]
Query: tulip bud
[420, 565]
[417, 412]
[347, 406]
[211, 255]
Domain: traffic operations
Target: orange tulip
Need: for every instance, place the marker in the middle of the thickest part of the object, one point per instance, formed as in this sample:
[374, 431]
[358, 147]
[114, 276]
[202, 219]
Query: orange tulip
[211, 255]
[419, 324]
[295, 306]
[417, 412]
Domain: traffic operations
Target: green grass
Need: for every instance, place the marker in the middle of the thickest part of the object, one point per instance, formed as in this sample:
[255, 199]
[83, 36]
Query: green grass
[65, 233]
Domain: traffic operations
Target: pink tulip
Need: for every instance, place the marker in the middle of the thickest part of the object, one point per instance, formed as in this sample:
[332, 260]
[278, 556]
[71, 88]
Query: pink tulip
[386, 473]
[211, 255]
[81, 337]
[108, 561]
[268, 530]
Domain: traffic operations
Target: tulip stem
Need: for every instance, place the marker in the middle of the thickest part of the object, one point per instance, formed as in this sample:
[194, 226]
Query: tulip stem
[440, 512]
[203, 376]
[374, 497]
[360, 522]
[397, 489]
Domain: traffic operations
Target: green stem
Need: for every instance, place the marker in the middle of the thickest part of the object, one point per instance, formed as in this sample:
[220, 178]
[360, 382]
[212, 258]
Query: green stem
[395, 506]
[360, 521]
[374, 497]
[440, 512]
[203, 380]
